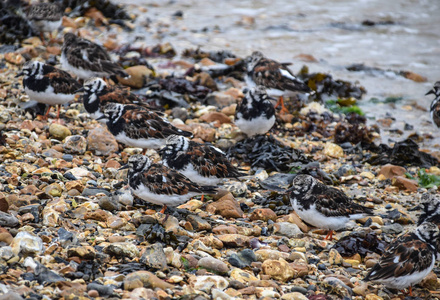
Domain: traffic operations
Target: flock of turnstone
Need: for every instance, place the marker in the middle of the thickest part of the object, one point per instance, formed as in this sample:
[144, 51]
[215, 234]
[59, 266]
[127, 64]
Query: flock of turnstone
[188, 168]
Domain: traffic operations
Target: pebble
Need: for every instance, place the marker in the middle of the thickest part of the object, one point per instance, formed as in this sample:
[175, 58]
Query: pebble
[154, 257]
[7, 220]
[101, 141]
[59, 132]
[278, 270]
[75, 144]
[286, 229]
[120, 250]
[26, 243]
[242, 259]
[226, 206]
[213, 265]
[208, 282]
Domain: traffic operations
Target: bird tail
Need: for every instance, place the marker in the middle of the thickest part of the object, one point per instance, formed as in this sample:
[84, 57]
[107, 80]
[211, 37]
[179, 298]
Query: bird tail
[209, 189]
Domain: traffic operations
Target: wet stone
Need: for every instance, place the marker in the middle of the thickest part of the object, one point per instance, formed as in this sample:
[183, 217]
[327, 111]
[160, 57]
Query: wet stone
[75, 144]
[243, 258]
[154, 257]
[213, 265]
[109, 203]
[103, 290]
[7, 220]
[395, 228]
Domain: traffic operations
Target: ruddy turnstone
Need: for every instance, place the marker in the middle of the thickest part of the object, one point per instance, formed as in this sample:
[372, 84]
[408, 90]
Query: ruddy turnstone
[137, 127]
[45, 17]
[47, 84]
[431, 213]
[255, 114]
[97, 93]
[274, 76]
[202, 163]
[323, 206]
[435, 104]
[161, 185]
[408, 259]
[86, 59]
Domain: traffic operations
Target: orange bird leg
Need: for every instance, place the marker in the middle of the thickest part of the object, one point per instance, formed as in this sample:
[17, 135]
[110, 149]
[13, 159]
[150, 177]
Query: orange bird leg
[46, 115]
[144, 151]
[329, 235]
[284, 110]
[203, 197]
[58, 114]
[164, 208]
[410, 291]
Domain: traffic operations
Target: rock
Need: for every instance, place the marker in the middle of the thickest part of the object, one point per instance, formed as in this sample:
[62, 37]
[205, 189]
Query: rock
[413, 76]
[234, 240]
[215, 116]
[206, 283]
[431, 282]
[26, 243]
[7, 220]
[226, 206]
[103, 290]
[198, 223]
[278, 270]
[294, 219]
[5, 236]
[213, 265]
[154, 257]
[294, 296]
[101, 141]
[11, 296]
[224, 229]
[242, 259]
[220, 295]
[373, 297]
[85, 252]
[59, 132]
[109, 203]
[333, 150]
[334, 257]
[286, 229]
[242, 276]
[120, 250]
[14, 58]
[220, 99]
[138, 76]
[361, 289]
[265, 254]
[263, 214]
[75, 144]
[54, 190]
[207, 134]
[145, 279]
[405, 184]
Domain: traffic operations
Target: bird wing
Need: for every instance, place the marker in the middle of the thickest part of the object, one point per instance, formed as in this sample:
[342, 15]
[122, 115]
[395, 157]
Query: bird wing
[62, 82]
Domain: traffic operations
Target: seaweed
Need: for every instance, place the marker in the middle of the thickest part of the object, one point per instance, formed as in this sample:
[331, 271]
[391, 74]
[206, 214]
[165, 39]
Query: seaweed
[266, 152]
[404, 153]
[13, 26]
[360, 242]
[424, 179]
[108, 9]
[216, 56]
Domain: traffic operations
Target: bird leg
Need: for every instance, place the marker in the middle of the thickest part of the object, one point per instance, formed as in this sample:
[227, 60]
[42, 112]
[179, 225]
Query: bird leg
[329, 235]
[410, 290]
[284, 110]
[46, 115]
[164, 208]
[43, 40]
[144, 151]
[203, 197]
[58, 116]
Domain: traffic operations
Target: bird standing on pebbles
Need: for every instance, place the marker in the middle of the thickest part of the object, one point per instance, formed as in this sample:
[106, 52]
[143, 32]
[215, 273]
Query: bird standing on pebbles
[97, 93]
[161, 185]
[86, 59]
[435, 104]
[45, 17]
[323, 206]
[202, 163]
[255, 114]
[47, 84]
[431, 213]
[138, 127]
[408, 259]
[274, 76]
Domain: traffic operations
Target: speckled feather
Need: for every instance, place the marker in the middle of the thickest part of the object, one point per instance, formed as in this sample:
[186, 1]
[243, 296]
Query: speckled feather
[173, 184]
[109, 94]
[260, 105]
[48, 75]
[435, 104]
[329, 201]
[269, 73]
[407, 256]
[206, 159]
[138, 123]
[84, 54]
[45, 11]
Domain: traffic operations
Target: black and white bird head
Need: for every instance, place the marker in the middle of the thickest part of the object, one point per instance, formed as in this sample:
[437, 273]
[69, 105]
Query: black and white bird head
[257, 94]
[113, 111]
[253, 60]
[31, 68]
[435, 90]
[302, 184]
[428, 232]
[69, 39]
[138, 163]
[178, 142]
[431, 208]
[94, 85]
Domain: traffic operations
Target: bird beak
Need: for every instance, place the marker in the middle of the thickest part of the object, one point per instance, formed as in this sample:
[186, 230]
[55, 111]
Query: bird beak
[418, 207]
[19, 74]
[102, 117]
[430, 92]
[123, 167]
[79, 90]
